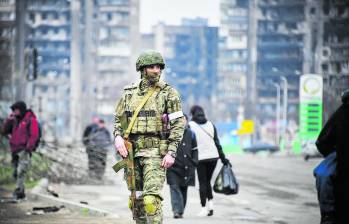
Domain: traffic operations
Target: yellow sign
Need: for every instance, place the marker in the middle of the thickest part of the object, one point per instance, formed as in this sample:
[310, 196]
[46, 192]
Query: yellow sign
[247, 127]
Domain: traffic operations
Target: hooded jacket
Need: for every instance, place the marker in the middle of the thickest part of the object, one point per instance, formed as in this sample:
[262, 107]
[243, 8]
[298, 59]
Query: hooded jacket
[23, 133]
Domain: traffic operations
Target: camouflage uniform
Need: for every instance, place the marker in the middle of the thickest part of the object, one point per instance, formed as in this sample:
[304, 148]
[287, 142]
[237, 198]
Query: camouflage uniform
[149, 148]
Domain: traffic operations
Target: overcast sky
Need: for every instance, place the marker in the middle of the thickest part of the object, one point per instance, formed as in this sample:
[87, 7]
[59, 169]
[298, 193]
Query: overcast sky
[171, 12]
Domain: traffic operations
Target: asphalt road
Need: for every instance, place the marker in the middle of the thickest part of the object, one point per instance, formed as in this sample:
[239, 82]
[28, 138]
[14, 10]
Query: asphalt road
[273, 189]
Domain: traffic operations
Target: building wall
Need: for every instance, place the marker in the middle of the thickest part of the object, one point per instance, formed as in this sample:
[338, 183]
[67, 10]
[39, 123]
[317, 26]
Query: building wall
[332, 47]
[191, 53]
[233, 59]
[7, 49]
[49, 31]
[117, 45]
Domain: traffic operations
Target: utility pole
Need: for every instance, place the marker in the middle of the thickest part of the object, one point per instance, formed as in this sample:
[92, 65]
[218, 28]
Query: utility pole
[75, 74]
[278, 98]
[285, 105]
[20, 38]
[251, 93]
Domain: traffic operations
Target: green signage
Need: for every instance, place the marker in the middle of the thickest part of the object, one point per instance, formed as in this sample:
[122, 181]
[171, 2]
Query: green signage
[310, 120]
[310, 110]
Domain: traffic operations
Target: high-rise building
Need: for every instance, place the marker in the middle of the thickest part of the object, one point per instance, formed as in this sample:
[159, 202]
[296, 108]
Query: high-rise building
[7, 48]
[117, 46]
[48, 28]
[331, 39]
[191, 52]
[280, 50]
[233, 59]
[86, 52]
[291, 38]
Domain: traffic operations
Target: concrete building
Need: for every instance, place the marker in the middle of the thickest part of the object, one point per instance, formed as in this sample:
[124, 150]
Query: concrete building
[86, 50]
[288, 39]
[117, 46]
[191, 54]
[280, 51]
[7, 49]
[332, 49]
[233, 60]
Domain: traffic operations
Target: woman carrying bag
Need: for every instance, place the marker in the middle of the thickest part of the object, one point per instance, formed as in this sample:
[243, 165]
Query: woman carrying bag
[209, 150]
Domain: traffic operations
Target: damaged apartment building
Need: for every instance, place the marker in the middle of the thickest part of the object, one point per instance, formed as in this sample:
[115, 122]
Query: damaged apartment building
[7, 49]
[84, 54]
[288, 39]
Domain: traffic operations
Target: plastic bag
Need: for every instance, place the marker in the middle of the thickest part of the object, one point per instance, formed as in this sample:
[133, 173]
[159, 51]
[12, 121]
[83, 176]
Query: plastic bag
[226, 182]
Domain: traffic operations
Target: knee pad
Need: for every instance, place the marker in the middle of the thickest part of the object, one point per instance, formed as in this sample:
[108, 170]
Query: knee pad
[151, 204]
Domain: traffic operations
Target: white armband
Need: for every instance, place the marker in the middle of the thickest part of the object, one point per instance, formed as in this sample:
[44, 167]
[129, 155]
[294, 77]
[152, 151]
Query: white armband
[175, 115]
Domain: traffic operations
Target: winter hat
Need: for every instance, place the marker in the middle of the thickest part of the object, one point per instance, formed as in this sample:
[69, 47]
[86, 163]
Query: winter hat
[198, 114]
[20, 105]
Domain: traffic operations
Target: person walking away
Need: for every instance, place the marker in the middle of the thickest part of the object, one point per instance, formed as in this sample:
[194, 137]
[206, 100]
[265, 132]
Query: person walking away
[182, 173]
[100, 141]
[23, 131]
[334, 137]
[155, 134]
[209, 150]
[88, 143]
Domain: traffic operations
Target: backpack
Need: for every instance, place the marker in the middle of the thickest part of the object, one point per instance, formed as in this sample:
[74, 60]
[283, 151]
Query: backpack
[40, 133]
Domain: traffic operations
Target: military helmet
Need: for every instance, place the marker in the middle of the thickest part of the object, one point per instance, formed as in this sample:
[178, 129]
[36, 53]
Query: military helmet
[149, 58]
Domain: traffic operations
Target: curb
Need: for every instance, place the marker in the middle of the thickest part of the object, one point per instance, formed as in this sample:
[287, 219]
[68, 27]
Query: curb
[74, 206]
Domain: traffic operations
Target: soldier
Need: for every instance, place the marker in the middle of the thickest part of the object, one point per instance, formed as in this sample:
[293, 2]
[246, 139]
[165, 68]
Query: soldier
[154, 139]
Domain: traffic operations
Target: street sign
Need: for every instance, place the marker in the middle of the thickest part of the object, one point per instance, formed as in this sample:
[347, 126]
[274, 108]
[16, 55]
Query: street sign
[247, 127]
[310, 110]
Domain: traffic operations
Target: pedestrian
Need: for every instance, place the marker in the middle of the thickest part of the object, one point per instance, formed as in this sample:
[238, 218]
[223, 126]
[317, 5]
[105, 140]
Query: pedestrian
[182, 173]
[334, 137]
[22, 128]
[97, 142]
[156, 134]
[88, 143]
[325, 174]
[209, 150]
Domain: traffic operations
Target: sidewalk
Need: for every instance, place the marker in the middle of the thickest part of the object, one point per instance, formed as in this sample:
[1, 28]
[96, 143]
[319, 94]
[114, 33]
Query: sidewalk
[22, 213]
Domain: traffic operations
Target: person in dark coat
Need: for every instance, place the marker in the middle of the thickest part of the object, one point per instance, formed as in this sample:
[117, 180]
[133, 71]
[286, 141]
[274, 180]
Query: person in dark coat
[335, 137]
[182, 173]
[97, 141]
[22, 128]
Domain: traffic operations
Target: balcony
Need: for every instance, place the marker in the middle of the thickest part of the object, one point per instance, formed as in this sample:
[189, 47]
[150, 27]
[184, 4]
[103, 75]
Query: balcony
[271, 44]
[280, 3]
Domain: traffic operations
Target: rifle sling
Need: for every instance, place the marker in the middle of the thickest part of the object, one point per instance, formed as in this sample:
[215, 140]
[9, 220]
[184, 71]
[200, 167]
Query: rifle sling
[138, 109]
[122, 164]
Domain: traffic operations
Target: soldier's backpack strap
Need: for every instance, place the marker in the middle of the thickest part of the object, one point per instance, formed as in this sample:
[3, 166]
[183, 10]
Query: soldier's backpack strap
[138, 109]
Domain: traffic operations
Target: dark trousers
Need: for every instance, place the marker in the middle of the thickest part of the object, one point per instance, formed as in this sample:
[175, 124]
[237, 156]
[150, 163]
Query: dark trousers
[178, 198]
[205, 171]
[325, 190]
[96, 163]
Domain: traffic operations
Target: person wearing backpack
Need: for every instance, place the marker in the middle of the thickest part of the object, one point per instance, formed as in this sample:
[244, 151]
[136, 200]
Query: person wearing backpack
[209, 150]
[22, 129]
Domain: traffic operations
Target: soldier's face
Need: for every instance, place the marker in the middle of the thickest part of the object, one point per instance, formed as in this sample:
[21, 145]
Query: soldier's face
[152, 73]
